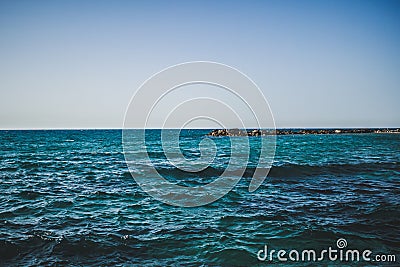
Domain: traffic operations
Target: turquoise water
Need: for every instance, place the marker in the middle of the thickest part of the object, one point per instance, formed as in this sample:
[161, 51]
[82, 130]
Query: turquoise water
[68, 198]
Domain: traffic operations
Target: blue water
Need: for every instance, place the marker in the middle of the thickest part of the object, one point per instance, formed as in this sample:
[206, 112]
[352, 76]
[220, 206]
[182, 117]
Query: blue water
[67, 197]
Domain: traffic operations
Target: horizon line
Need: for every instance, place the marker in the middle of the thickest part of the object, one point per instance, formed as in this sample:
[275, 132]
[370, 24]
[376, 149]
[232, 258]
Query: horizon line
[202, 128]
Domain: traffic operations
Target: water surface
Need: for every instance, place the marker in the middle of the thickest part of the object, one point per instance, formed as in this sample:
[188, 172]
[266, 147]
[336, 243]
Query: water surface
[68, 198]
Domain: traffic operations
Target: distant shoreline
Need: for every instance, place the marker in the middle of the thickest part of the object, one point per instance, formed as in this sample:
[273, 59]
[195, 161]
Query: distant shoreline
[258, 132]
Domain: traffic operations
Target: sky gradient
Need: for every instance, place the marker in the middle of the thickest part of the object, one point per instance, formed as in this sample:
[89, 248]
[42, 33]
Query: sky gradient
[76, 64]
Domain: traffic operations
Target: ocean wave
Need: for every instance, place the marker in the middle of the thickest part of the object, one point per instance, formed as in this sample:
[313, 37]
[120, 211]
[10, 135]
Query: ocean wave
[293, 170]
[285, 170]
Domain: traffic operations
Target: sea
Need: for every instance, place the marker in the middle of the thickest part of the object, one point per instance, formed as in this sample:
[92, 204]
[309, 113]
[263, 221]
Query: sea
[68, 198]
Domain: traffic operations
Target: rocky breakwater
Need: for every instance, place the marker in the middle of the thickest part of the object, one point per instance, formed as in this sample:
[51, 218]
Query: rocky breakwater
[240, 132]
[258, 132]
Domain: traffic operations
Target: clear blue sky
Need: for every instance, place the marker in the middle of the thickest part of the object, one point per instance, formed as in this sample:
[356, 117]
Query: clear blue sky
[76, 64]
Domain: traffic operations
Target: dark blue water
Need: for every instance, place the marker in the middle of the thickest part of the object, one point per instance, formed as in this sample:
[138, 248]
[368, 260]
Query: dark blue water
[67, 198]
